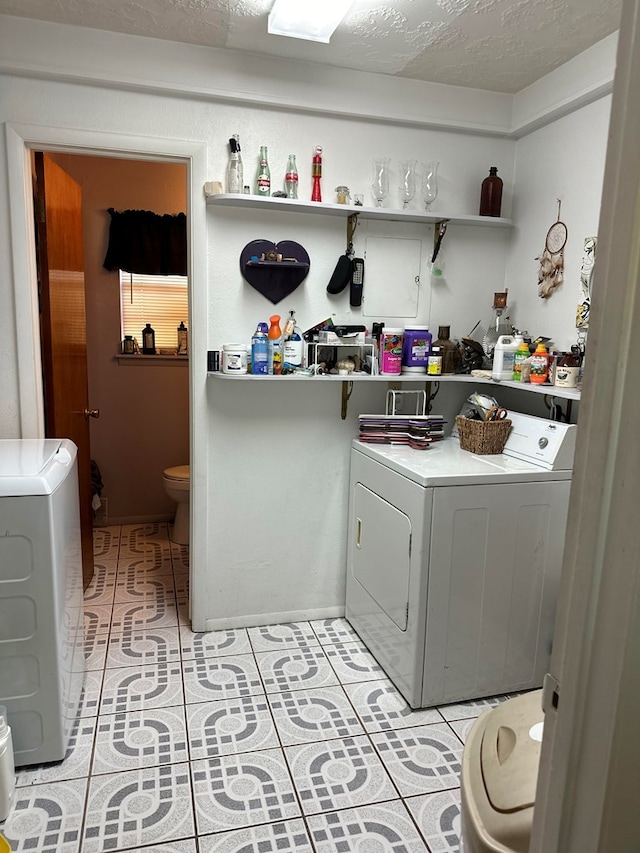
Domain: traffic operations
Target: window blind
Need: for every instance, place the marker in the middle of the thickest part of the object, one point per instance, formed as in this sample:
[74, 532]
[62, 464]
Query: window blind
[161, 300]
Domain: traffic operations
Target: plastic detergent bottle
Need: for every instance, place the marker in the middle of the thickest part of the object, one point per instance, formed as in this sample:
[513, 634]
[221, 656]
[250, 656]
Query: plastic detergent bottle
[274, 336]
[504, 356]
[292, 346]
[7, 769]
[539, 365]
[522, 354]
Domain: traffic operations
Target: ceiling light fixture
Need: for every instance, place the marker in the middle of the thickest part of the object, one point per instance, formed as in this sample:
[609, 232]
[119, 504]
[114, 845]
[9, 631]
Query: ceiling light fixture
[313, 20]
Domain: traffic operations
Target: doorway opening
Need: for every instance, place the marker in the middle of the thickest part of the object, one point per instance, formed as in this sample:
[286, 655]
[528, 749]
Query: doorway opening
[140, 423]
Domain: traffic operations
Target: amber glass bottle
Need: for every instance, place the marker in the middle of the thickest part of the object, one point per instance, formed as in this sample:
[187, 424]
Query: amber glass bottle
[448, 350]
[491, 194]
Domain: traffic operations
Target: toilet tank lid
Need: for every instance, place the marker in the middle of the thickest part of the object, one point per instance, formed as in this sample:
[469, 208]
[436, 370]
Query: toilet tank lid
[179, 472]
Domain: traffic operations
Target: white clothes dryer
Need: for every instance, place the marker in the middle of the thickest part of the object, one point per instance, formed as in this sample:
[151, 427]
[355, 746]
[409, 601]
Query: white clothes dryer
[453, 561]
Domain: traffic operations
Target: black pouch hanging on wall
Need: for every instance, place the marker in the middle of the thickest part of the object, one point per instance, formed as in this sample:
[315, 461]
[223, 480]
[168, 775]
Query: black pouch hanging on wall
[341, 275]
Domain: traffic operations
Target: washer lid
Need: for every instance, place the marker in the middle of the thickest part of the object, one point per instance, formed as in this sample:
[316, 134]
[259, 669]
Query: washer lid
[510, 752]
[34, 466]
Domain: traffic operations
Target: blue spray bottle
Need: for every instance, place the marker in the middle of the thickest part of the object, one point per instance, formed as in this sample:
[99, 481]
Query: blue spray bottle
[260, 351]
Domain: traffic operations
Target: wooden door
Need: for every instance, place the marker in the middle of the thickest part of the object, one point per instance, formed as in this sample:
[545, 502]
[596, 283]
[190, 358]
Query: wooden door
[63, 326]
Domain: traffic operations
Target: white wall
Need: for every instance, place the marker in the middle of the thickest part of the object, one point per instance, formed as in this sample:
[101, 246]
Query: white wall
[563, 160]
[270, 462]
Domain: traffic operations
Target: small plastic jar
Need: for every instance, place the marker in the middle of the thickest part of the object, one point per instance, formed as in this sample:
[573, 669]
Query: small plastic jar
[416, 347]
[234, 358]
[391, 351]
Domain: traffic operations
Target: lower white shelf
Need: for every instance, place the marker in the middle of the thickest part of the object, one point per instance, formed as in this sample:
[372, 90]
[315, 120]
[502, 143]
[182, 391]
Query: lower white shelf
[550, 390]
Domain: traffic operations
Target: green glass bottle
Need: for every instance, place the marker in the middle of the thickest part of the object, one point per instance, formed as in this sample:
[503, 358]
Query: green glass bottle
[263, 178]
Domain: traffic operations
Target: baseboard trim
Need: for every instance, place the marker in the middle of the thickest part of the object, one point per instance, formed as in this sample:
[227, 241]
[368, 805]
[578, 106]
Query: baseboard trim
[256, 619]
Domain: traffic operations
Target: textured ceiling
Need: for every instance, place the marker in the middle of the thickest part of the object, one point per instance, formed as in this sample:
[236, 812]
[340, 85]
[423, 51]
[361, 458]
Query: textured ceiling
[497, 45]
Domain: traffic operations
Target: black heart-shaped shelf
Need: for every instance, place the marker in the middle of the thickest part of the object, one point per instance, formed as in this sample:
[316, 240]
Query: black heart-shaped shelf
[272, 278]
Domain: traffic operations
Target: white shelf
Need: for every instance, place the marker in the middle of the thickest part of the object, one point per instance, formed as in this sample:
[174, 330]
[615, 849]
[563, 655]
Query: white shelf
[344, 210]
[550, 390]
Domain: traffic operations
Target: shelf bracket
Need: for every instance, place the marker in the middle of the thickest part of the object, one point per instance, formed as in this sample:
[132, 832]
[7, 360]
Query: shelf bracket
[347, 391]
[352, 224]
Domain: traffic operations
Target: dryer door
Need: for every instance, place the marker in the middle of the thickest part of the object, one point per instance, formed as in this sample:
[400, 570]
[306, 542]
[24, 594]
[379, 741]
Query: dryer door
[381, 553]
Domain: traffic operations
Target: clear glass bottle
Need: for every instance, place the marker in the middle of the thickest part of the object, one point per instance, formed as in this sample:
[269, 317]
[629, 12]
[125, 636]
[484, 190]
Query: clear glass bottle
[263, 178]
[291, 177]
[448, 350]
[234, 170]
[498, 325]
[491, 194]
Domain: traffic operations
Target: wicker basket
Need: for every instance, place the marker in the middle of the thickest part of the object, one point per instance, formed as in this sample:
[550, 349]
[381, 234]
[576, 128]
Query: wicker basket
[483, 437]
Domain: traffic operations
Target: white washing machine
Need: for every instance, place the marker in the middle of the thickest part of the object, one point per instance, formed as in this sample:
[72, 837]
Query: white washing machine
[453, 560]
[41, 631]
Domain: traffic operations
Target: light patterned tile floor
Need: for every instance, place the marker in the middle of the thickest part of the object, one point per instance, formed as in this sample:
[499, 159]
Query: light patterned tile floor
[276, 738]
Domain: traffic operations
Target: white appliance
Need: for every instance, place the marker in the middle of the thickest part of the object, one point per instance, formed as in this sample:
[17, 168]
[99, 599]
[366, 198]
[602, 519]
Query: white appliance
[453, 560]
[41, 631]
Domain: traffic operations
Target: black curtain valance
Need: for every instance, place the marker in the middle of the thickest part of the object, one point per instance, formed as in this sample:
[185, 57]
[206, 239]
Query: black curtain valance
[149, 243]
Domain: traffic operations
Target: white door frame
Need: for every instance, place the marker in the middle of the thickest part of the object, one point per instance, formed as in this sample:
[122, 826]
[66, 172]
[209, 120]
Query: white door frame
[20, 140]
[587, 795]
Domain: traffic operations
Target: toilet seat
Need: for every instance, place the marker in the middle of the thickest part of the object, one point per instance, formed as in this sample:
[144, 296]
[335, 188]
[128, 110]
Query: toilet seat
[178, 472]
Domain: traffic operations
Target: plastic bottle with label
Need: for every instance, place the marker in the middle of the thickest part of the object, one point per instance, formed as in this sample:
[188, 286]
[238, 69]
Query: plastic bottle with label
[7, 766]
[504, 356]
[292, 345]
[260, 351]
[522, 354]
[274, 336]
[539, 365]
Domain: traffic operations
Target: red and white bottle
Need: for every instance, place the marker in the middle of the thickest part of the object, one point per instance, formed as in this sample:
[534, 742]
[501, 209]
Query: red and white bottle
[316, 174]
[291, 177]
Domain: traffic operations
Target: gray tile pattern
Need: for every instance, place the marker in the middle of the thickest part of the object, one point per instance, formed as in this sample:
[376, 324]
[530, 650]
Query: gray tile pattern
[381, 827]
[338, 774]
[262, 740]
[438, 819]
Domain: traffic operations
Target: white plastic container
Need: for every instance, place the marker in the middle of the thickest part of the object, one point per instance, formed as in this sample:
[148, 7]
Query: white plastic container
[234, 358]
[7, 769]
[504, 357]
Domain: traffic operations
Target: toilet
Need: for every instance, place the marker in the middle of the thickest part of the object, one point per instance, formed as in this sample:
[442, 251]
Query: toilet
[176, 483]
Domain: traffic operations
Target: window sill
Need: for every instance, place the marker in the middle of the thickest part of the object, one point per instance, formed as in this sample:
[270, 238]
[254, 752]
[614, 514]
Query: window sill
[148, 360]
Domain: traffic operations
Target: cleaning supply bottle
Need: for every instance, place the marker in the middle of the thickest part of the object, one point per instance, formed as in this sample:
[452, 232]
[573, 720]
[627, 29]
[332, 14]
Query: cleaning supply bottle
[292, 345]
[539, 365]
[522, 354]
[260, 351]
[274, 336]
[7, 768]
[504, 356]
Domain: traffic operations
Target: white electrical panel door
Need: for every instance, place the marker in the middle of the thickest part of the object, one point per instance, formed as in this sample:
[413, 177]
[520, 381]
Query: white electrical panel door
[494, 572]
[392, 277]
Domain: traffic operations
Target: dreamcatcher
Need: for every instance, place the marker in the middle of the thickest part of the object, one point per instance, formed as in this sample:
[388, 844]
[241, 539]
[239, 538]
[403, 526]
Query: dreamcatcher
[551, 272]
